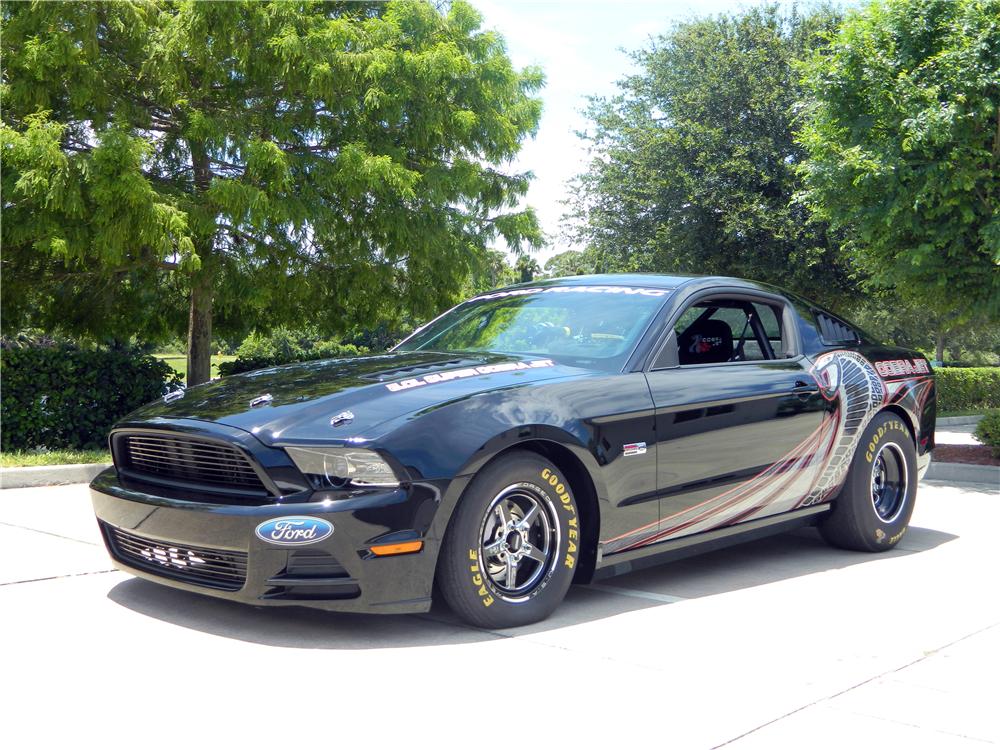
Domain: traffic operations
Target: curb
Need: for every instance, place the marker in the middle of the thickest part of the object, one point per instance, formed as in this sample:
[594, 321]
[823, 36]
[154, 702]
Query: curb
[42, 476]
[959, 421]
[963, 473]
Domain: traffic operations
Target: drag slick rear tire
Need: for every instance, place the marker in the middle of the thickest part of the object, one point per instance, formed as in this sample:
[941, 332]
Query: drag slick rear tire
[874, 507]
[512, 546]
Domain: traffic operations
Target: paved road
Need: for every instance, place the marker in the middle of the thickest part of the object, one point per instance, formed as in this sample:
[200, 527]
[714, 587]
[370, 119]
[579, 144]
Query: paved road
[775, 644]
[958, 435]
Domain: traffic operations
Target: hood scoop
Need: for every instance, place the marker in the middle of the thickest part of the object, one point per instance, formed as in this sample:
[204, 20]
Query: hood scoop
[399, 373]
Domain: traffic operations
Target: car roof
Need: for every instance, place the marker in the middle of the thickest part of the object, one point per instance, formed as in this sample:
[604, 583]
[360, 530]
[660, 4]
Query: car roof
[649, 280]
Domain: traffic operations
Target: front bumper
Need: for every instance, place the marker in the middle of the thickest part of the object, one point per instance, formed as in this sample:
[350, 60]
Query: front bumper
[212, 549]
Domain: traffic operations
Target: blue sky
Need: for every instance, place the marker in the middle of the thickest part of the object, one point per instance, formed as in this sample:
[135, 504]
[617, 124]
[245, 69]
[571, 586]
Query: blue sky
[579, 47]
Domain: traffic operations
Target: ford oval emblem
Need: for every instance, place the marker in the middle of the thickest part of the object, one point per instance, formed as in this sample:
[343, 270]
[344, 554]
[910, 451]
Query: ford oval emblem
[292, 531]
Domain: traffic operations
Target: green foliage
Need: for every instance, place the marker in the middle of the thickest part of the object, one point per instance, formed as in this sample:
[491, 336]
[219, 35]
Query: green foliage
[967, 388]
[901, 323]
[573, 263]
[61, 397]
[526, 269]
[11, 459]
[902, 126]
[282, 346]
[695, 161]
[336, 163]
[988, 431]
[494, 273]
[383, 337]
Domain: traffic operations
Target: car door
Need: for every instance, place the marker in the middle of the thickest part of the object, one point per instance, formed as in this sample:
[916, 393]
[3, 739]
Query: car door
[738, 422]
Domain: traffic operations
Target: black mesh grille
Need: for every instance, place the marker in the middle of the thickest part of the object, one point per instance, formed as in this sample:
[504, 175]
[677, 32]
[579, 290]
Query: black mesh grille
[188, 459]
[212, 568]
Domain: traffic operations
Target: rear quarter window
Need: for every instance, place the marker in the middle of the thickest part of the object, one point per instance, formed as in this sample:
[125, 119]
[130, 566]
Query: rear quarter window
[833, 330]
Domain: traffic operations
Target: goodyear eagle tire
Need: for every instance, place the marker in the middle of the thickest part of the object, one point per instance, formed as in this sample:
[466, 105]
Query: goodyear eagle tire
[511, 548]
[874, 507]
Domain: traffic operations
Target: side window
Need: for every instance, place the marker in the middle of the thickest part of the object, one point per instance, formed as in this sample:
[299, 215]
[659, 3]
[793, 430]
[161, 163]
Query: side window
[723, 330]
[770, 319]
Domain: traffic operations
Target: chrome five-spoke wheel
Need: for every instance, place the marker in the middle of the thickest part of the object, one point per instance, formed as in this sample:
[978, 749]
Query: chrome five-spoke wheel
[519, 537]
[512, 545]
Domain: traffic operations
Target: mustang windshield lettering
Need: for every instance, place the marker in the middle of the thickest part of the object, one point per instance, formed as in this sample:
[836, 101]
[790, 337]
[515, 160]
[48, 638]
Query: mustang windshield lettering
[564, 430]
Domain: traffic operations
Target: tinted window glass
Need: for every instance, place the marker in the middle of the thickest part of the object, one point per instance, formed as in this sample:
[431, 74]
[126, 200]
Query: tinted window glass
[597, 328]
[769, 318]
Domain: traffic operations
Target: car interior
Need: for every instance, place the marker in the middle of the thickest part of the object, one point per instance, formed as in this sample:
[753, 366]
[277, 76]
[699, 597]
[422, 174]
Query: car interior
[727, 330]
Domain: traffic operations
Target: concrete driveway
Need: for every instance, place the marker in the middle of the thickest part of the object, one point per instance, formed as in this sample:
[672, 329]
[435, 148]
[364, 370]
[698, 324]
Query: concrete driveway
[774, 644]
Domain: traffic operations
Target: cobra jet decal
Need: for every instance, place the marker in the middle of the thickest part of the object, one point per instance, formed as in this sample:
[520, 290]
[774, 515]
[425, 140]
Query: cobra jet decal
[861, 393]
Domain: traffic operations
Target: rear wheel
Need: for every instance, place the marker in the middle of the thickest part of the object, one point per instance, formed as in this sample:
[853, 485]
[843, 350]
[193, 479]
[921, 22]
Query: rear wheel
[511, 548]
[874, 507]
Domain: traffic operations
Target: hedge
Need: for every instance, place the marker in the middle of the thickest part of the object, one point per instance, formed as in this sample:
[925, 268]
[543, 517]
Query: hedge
[58, 397]
[283, 346]
[967, 388]
[988, 431]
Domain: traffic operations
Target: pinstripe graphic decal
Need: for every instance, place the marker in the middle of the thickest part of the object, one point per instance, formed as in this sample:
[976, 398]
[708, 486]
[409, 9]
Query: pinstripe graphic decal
[810, 473]
[749, 493]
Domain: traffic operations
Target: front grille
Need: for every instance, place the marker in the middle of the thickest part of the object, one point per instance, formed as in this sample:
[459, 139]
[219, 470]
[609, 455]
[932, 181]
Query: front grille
[187, 459]
[212, 568]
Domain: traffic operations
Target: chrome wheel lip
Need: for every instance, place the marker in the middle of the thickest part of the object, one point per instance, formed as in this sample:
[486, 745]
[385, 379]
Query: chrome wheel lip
[880, 482]
[546, 520]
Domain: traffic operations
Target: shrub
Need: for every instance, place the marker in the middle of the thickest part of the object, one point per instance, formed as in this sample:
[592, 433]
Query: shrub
[62, 397]
[967, 388]
[283, 346]
[988, 431]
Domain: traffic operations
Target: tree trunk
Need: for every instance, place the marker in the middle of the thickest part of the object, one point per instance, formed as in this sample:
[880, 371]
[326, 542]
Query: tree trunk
[199, 358]
[200, 316]
[939, 342]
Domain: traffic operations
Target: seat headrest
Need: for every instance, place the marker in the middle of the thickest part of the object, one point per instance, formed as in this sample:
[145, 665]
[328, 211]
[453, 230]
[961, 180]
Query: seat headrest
[705, 342]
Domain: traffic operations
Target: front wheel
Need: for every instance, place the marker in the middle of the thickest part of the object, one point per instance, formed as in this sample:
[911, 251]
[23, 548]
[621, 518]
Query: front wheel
[874, 507]
[511, 548]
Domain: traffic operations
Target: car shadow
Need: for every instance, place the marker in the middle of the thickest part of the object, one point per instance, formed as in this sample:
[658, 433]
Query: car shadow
[757, 563]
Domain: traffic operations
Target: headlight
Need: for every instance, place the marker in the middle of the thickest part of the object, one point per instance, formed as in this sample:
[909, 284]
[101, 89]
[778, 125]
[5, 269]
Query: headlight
[336, 468]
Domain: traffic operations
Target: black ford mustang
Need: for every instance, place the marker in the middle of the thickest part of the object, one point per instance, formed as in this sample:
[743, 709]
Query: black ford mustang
[557, 431]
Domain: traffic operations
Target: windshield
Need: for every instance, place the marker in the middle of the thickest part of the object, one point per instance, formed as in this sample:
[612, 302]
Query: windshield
[588, 326]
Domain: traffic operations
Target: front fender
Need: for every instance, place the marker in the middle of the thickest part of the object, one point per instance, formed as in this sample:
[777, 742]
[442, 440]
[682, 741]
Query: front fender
[591, 417]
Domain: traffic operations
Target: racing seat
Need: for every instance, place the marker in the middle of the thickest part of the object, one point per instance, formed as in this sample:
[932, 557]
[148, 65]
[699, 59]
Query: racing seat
[704, 342]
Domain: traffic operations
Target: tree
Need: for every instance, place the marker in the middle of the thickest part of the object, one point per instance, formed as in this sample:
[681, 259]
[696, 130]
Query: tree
[693, 165]
[255, 163]
[526, 269]
[573, 263]
[493, 274]
[902, 128]
[942, 337]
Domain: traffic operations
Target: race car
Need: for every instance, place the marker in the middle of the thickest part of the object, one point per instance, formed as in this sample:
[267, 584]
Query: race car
[548, 433]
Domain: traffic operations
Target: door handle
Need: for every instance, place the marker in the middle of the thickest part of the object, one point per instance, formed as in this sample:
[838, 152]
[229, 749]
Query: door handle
[804, 390]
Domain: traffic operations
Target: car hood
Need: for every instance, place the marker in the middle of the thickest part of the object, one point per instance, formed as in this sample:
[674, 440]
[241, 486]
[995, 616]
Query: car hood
[296, 403]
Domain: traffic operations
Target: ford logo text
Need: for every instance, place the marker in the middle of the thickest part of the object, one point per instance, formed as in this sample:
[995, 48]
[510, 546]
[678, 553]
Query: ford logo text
[292, 531]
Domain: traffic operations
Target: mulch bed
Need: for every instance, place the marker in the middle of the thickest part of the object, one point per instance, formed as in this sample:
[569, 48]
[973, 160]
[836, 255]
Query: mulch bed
[981, 455]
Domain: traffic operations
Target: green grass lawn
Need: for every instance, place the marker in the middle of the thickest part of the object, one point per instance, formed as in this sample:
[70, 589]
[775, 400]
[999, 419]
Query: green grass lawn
[179, 362]
[10, 459]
